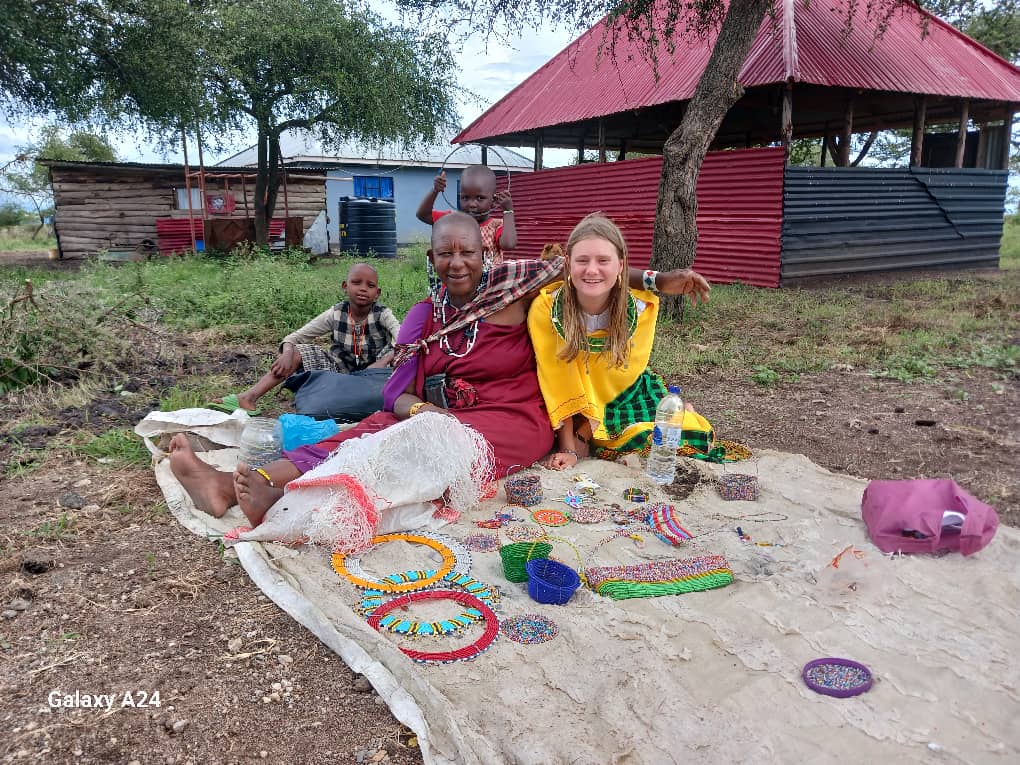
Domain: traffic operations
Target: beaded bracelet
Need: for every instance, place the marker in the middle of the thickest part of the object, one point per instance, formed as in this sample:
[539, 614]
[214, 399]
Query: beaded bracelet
[443, 657]
[648, 280]
[634, 494]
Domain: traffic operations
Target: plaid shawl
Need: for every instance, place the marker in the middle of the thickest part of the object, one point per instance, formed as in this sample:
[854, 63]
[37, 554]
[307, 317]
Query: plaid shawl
[501, 286]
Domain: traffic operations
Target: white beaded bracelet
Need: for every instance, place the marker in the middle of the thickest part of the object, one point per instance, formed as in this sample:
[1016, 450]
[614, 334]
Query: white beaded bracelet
[648, 279]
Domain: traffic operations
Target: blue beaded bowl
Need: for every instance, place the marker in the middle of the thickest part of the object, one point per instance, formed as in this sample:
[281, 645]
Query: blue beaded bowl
[550, 581]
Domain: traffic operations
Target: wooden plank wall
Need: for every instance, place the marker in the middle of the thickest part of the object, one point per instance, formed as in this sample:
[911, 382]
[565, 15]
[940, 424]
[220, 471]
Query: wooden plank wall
[98, 207]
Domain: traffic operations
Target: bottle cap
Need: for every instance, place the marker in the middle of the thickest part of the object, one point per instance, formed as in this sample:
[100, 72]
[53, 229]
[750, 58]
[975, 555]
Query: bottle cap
[674, 388]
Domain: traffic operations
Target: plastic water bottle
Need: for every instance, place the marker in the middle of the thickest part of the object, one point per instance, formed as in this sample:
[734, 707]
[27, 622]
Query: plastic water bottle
[666, 438]
[261, 441]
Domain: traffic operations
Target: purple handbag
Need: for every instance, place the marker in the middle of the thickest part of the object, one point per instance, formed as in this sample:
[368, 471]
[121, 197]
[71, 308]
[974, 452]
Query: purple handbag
[926, 515]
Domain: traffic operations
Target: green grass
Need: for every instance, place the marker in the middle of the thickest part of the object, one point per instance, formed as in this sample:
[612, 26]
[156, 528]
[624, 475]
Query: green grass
[1009, 252]
[19, 239]
[906, 330]
[122, 447]
[53, 530]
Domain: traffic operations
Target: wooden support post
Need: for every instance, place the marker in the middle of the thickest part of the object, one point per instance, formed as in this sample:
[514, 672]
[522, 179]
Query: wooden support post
[982, 149]
[538, 152]
[602, 140]
[917, 138]
[825, 145]
[623, 151]
[848, 129]
[786, 127]
[187, 189]
[485, 155]
[961, 137]
[1007, 134]
[580, 150]
[201, 177]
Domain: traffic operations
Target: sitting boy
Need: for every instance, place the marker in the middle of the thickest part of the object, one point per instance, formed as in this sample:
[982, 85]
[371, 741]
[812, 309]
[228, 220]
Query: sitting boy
[477, 196]
[363, 334]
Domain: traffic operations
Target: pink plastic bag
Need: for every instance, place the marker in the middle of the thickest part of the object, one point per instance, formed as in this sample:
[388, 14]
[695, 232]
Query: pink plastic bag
[925, 516]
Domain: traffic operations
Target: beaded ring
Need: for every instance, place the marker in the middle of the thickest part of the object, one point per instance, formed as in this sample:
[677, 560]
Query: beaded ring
[529, 629]
[455, 558]
[634, 494]
[443, 657]
[374, 598]
[549, 517]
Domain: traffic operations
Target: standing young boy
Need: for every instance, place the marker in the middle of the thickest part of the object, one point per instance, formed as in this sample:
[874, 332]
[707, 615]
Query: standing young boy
[363, 334]
[478, 195]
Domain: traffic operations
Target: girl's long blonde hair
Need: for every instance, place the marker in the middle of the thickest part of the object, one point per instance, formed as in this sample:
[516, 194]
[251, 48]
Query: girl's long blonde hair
[575, 335]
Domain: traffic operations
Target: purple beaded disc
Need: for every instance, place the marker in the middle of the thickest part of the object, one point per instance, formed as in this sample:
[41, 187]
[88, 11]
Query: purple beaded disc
[841, 678]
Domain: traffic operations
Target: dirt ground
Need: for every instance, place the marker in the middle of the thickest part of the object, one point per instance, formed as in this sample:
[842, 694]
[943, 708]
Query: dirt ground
[104, 593]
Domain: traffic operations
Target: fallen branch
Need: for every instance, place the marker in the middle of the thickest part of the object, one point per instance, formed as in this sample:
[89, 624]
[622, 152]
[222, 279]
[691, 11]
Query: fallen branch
[28, 296]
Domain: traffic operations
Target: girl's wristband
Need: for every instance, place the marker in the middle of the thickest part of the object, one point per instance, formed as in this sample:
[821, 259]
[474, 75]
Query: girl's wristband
[648, 280]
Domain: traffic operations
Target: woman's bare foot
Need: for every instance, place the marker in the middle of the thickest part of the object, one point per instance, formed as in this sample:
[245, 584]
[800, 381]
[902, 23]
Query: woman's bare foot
[254, 494]
[210, 489]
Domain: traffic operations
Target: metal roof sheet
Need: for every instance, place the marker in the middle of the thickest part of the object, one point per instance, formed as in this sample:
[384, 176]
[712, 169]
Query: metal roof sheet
[806, 42]
[304, 147]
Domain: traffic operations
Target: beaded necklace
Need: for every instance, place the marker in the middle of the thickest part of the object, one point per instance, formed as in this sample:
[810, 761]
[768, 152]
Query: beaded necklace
[443, 657]
[358, 335]
[595, 344]
[455, 558]
[373, 599]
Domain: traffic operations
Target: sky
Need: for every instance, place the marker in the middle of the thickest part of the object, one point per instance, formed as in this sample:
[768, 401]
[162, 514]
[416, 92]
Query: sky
[490, 70]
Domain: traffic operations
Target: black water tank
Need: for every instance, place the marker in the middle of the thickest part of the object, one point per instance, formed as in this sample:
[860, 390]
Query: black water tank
[368, 225]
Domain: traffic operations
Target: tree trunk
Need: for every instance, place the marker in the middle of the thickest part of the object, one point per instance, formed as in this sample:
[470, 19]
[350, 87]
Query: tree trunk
[676, 233]
[261, 187]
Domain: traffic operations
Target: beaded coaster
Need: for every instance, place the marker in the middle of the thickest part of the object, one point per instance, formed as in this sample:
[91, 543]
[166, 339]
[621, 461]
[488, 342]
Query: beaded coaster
[529, 629]
[549, 517]
[455, 556]
[588, 515]
[482, 543]
[525, 533]
[841, 678]
[443, 657]
[374, 598]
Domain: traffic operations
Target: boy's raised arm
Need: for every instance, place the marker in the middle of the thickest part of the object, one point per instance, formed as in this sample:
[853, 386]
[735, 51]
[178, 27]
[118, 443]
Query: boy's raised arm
[424, 213]
[508, 232]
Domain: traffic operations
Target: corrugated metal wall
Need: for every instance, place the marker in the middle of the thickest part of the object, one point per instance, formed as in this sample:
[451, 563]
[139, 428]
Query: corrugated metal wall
[740, 195]
[852, 220]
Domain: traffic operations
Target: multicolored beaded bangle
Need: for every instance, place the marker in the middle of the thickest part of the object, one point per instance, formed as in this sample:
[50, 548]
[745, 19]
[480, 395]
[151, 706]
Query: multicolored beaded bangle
[525, 490]
[549, 517]
[443, 657]
[374, 598]
[841, 678]
[648, 280]
[349, 566]
[633, 494]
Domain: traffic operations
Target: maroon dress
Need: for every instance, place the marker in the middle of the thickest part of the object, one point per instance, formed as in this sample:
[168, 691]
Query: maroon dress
[493, 388]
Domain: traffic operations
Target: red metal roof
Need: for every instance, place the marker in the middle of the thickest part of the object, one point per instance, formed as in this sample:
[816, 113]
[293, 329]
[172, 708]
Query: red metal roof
[806, 44]
[740, 210]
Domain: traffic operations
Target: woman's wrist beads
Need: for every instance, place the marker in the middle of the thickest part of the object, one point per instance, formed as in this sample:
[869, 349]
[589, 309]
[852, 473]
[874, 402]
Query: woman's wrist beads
[648, 279]
[415, 408]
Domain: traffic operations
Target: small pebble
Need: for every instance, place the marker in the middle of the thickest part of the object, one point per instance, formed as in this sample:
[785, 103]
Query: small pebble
[72, 501]
[20, 604]
[284, 659]
[361, 684]
[180, 725]
[9, 614]
[82, 483]
[234, 645]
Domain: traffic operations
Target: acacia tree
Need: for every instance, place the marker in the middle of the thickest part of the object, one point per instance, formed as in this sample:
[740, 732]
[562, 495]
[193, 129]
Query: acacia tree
[657, 25]
[29, 179]
[223, 67]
